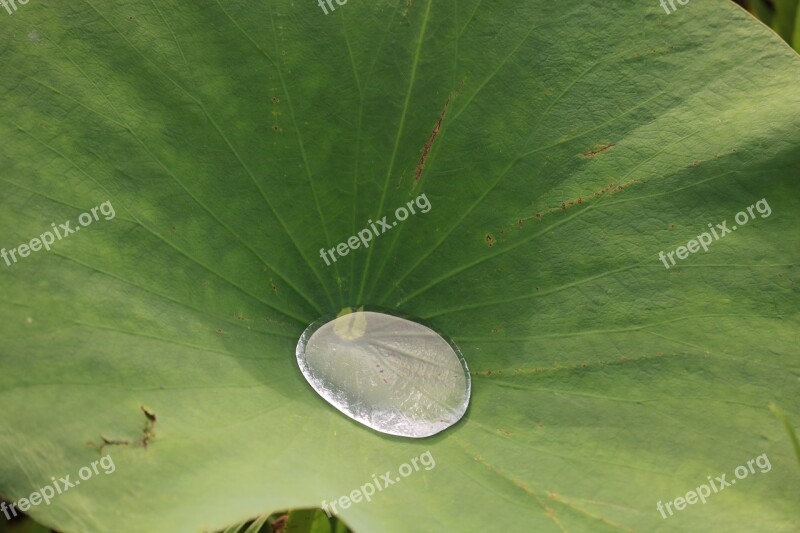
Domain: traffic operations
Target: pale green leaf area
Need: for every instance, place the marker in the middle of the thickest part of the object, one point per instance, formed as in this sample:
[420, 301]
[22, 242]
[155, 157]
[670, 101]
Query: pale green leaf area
[235, 139]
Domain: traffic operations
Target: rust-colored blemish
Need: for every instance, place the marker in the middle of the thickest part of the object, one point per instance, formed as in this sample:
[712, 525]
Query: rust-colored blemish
[599, 150]
[432, 137]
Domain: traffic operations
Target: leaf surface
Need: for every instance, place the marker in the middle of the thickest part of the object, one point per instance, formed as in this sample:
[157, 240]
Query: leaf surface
[561, 146]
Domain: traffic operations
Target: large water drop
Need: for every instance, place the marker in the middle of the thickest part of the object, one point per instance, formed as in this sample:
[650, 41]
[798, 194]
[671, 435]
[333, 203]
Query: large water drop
[389, 373]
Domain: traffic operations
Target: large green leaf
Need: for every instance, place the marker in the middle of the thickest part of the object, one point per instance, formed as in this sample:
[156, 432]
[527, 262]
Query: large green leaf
[562, 146]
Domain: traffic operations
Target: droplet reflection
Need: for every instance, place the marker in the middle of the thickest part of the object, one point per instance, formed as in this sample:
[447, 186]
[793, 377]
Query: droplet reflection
[389, 373]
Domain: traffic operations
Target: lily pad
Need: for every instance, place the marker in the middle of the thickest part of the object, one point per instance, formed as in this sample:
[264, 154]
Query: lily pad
[561, 146]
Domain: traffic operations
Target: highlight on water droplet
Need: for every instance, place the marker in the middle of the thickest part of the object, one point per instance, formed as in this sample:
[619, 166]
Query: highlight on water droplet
[389, 373]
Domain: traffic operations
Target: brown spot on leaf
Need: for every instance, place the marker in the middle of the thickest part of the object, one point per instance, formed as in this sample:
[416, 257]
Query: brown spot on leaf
[599, 150]
[151, 416]
[426, 148]
[147, 434]
[409, 3]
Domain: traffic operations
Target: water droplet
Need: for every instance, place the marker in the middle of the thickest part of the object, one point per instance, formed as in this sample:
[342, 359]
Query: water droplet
[389, 373]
